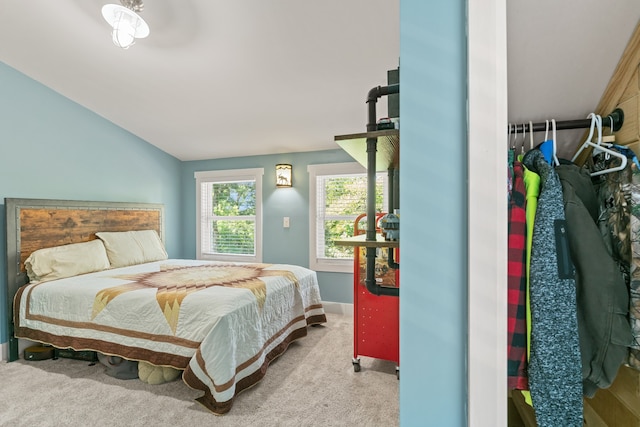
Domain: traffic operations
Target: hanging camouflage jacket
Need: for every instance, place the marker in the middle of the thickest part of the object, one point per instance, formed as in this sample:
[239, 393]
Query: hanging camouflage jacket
[619, 198]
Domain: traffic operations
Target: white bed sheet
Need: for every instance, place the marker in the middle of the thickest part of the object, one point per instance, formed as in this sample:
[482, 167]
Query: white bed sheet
[221, 322]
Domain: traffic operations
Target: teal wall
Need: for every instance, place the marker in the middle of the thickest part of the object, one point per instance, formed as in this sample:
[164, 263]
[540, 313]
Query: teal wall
[280, 245]
[433, 293]
[53, 148]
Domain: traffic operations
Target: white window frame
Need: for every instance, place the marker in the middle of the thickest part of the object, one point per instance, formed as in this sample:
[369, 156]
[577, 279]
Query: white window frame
[315, 262]
[233, 175]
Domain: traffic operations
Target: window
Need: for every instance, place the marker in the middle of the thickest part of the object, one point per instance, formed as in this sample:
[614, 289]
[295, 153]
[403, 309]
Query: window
[229, 210]
[337, 195]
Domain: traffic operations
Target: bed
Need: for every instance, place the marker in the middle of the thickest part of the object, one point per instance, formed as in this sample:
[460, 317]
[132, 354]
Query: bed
[221, 323]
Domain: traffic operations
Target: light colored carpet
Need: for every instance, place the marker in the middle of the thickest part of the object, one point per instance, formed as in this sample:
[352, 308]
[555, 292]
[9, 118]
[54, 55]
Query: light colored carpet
[312, 384]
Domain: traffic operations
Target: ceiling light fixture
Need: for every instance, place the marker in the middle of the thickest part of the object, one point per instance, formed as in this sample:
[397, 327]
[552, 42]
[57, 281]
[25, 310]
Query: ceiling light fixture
[127, 24]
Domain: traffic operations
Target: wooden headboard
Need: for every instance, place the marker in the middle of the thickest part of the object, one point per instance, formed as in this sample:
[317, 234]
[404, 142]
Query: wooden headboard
[43, 223]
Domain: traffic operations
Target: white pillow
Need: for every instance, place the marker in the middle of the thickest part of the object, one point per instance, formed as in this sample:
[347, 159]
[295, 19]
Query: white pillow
[63, 261]
[132, 247]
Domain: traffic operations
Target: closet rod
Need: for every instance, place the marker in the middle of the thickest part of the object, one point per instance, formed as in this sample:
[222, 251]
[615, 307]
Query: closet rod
[613, 120]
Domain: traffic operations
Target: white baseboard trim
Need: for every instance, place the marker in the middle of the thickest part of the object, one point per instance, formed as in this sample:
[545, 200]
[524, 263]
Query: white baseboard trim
[4, 352]
[338, 308]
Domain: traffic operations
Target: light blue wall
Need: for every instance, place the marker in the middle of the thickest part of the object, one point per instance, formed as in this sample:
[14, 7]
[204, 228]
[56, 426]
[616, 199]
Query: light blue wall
[53, 148]
[280, 245]
[433, 291]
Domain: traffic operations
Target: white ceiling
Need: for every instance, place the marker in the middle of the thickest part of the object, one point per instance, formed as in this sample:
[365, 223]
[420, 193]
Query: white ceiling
[214, 78]
[561, 56]
[221, 79]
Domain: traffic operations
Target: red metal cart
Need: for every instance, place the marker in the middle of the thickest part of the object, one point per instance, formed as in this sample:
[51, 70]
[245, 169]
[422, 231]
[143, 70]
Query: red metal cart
[376, 318]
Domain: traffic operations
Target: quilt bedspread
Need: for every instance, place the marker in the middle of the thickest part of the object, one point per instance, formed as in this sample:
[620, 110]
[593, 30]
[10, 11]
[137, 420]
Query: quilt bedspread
[222, 323]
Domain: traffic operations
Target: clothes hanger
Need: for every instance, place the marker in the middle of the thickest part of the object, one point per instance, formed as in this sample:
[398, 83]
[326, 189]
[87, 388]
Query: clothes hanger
[599, 141]
[511, 156]
[548, 146]
[600, 148]
[546, 130]
[509, 137]
[524, 138]
[515, 139]
[596, 121]
[610, 141]
[555, 157]
[588, 142]
[609, 138]
[530, 135]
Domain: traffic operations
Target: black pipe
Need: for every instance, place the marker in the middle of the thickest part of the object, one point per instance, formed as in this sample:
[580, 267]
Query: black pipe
[390, 261]
[394, 190]
[391, 189]
[615, 120]
[393, 179]
[372, 144]
[372, 99]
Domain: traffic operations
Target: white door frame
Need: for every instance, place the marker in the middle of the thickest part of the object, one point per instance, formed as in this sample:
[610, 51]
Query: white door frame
[487, 106]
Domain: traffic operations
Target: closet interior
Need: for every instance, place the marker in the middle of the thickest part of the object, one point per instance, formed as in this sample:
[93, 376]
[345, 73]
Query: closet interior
[574, 253]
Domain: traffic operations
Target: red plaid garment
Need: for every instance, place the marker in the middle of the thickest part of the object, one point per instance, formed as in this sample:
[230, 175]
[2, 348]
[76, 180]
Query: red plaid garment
[517, 325]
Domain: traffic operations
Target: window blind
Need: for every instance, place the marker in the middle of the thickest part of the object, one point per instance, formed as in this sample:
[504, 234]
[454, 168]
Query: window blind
[340, 199]
[228, 217]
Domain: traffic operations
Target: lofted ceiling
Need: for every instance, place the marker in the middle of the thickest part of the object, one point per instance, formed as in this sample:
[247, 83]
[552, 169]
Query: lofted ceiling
[220, 79]
[214, 78]
[561, 56]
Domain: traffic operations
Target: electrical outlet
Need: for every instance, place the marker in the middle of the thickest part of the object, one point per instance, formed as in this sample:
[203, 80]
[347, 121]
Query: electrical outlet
[285, 222]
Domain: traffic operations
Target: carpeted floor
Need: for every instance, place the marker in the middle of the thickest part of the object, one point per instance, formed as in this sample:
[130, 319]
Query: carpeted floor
[312, 384]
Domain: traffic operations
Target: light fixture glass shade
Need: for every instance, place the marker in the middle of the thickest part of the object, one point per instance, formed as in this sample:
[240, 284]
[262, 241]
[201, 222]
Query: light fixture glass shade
[127, 25]
[283, 175]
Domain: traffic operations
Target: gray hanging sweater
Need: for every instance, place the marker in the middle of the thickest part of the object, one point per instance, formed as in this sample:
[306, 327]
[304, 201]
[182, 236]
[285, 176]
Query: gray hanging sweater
[555, 368]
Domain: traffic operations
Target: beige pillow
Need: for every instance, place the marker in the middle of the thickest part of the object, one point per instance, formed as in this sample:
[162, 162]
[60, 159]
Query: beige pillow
[59, 262]
[132, 247]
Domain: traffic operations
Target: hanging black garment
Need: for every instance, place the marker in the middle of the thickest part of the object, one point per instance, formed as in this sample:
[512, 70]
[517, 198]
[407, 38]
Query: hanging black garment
[602, 296]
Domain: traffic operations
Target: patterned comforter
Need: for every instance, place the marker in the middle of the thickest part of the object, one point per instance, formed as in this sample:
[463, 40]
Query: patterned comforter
[222, 323]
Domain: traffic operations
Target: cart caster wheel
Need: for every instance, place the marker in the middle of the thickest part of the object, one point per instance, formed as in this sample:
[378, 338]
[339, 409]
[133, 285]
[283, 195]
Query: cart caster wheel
[356, 365]
[397, 373]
